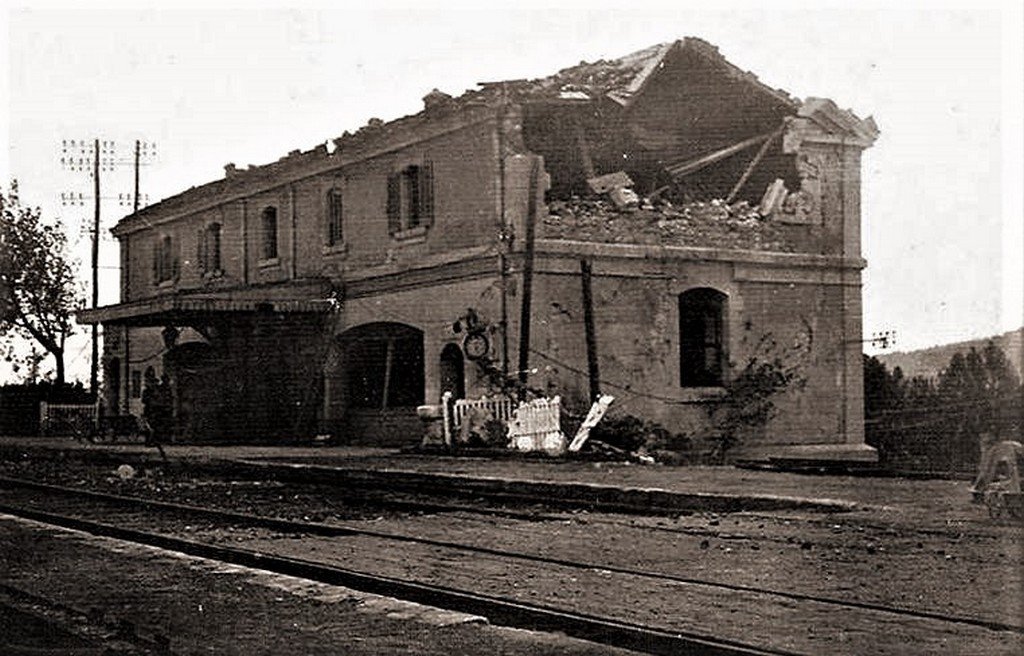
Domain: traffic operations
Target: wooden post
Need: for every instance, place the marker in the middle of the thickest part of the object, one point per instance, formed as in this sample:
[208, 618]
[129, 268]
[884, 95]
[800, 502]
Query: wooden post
[588, 324]
[94, 367]
[525, 309]
[389, 357]
[503, 275]
[124, 294]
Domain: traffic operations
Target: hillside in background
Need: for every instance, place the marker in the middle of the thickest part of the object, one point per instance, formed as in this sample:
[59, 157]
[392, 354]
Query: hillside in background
[930, 361]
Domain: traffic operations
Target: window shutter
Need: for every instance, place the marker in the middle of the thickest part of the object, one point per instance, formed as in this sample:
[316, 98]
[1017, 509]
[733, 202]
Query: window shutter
[426, 193]
[213, 248]
[269, 246]
[175, 249]
[335, 214]
[201, 250]
[394, 203]
[156, 263]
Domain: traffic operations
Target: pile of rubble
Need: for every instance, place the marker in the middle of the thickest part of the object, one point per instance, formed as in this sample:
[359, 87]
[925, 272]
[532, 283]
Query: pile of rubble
[712, 224]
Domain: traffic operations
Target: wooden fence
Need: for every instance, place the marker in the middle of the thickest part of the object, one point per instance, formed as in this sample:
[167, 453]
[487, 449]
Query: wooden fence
[532, 426]
[68, 418]
[536, 426]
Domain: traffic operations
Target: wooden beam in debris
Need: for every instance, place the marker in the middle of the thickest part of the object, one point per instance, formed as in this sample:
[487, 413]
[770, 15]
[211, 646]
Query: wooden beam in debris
[597, 411]
[694, 165]
[754, 162]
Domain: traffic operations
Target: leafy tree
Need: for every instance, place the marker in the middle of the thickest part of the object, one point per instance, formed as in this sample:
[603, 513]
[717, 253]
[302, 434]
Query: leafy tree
[978, 394]
[884, 399]
[38, 291]
[938, 424]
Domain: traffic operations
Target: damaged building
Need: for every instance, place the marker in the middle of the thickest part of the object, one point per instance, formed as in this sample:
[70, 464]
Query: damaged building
[335, 290]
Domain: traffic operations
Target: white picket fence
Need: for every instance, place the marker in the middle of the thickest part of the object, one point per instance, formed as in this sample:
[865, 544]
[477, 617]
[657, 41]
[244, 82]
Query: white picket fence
[68, 418]
[532, 426]
[498, 407]
[536, 426]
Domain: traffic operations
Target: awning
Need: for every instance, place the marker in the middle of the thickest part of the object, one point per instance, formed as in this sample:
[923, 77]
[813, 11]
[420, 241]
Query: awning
[183, 310]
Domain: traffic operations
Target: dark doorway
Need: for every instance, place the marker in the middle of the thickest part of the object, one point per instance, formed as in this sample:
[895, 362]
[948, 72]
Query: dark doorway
[113, 380]
[195, 376]
[380, 381]
[453, 372]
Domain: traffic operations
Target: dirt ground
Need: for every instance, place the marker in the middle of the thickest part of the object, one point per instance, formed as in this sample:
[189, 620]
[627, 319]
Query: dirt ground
[195, 606]
[918, 545]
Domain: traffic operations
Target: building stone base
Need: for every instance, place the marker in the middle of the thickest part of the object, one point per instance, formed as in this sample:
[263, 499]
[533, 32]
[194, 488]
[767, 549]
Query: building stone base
[824, 453]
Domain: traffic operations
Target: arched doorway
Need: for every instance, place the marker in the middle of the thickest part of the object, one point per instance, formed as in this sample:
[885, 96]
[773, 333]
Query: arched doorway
[453, 371]
[375, 381]
[194, 370]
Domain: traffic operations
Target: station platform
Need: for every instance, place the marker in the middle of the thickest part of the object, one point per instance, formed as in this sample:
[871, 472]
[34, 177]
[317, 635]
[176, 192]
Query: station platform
[700, 488]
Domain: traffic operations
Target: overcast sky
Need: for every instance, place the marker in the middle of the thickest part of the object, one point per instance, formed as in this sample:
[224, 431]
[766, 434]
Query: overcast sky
[212, 83]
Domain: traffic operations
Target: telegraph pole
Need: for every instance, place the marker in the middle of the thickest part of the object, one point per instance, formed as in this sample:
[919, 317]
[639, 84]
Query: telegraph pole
[102, 157]
[124, 274]
[94, 365]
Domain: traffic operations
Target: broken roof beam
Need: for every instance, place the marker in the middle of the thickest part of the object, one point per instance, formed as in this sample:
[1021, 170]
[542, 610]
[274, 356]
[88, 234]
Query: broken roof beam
[692, 166]
[753, 163]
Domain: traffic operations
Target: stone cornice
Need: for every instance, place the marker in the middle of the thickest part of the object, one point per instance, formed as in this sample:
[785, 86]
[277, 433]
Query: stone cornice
[576, 248]
[820, 120]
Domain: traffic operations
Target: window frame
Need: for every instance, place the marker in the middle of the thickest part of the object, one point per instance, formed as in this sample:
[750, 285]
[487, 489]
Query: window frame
[269, 235]
[334, 218]
[210, 249]
[165, 261]
[411, 200]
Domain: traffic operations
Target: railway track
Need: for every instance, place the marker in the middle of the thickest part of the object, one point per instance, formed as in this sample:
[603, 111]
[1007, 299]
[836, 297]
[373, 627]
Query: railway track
[79, 509]
[501, 611]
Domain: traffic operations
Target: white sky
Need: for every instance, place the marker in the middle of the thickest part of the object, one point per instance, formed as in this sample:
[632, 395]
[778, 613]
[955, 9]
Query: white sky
[213, 83]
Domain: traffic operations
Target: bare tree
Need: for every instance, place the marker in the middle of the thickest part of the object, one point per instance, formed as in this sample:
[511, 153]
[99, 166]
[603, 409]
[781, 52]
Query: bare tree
[38, 290]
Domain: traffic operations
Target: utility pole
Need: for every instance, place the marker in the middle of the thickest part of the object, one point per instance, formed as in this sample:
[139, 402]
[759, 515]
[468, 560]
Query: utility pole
[528, 261]
[94, 365]
[594, 374]
[135, 205]
[127, 331]
[78, 156]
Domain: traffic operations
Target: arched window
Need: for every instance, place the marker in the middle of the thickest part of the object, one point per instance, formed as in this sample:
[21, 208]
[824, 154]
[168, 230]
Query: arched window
[269, 233]
[334, 216]
[702, 356]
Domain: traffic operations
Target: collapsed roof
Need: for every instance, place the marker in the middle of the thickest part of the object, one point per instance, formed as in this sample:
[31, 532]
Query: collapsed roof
[672, 116]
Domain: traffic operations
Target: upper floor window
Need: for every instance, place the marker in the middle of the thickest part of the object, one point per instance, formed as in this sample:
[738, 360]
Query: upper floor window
[334, 217]
[702, 356]
[165, 260]
[268, 247]
[208, 249]
[411, 198]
